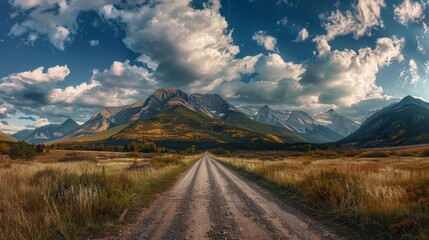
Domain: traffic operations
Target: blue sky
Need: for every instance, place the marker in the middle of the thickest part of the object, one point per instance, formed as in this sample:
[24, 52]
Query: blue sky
[69, 58]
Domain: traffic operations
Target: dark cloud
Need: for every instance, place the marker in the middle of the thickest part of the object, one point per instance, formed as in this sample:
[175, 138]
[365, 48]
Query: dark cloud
[362, 109]
[28, 118]
[5, 123]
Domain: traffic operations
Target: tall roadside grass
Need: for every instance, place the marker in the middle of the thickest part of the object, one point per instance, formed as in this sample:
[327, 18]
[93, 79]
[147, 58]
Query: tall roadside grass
[71, 200]
[378, 197]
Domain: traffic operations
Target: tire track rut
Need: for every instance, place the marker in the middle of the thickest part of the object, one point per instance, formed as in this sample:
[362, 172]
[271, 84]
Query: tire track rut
[211, 202]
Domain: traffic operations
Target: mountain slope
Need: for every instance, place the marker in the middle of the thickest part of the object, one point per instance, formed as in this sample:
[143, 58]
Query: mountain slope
[336, 122]
[42, 134]
[6, 138]
[305, 125]
[100, 121]
[269, 116]
[66, 127]
[181, 126]
[403, 123]
[243, 121]
[165, 98]
[23, 134]
[214, 103]
[298, 122]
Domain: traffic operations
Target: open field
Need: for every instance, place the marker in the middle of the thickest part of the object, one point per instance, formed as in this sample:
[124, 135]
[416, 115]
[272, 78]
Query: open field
[377, 194]
[68, 195]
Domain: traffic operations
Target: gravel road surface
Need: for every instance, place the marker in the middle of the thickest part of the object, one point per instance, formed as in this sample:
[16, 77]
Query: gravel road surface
[211, 202]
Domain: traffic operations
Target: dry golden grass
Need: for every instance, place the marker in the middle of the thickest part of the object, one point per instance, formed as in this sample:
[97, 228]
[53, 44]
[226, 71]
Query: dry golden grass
[382, 195]
[66, 200]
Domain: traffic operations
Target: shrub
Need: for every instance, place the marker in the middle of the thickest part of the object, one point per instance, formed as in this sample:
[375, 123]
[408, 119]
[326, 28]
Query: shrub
[45, 174]
[163, 161]
[4, 148]
[75, 157]
[374, 154]
[425, 153]
[23, 150]
[350, 152]
[133, 155]
[139, 165]
[329, 153]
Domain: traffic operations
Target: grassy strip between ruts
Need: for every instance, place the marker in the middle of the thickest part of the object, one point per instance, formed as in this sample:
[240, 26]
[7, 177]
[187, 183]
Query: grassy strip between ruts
[79, 199]
[341, 193]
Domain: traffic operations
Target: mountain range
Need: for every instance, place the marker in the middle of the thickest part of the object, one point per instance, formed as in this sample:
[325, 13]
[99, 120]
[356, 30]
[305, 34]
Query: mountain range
[48, 132]
[172, 118]
[323, 128]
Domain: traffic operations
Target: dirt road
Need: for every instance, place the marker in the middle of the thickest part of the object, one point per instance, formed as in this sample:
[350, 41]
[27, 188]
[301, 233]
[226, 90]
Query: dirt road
[211, 202]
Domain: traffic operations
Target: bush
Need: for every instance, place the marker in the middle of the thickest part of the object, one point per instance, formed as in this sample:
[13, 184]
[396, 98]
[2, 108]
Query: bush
[75, 157]
[139, 165]
[374, 154]
[133, 155]
[4, 148]
[163, 161]
[425, 153]
[350, 152]
[329, 153]
[23, 150]
[45, 174]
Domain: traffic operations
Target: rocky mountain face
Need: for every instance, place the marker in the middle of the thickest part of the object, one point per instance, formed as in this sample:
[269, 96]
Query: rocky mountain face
[336, 122]
[169, 97]
[144, 109]
[214, 103]
[48, 133]
[269, 116]
[250, 111]
[403, 123]
[299, 122]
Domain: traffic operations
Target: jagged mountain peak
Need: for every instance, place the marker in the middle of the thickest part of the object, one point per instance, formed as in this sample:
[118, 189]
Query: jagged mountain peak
[67, 126]
[408, 98]
[69, 121]
[168, 93]
[411, 100]
[336, 122]
[331, 111]
[213, 102]
[301, 115]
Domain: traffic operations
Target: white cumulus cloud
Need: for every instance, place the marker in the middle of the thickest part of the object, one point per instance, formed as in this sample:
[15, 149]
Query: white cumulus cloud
[173, 38]
[266, 41]
[58, 26]
[302, 35]
[409, 11]
[366, 15]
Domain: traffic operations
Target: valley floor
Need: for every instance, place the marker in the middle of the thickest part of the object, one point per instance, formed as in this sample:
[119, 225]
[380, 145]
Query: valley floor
[211, 202]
